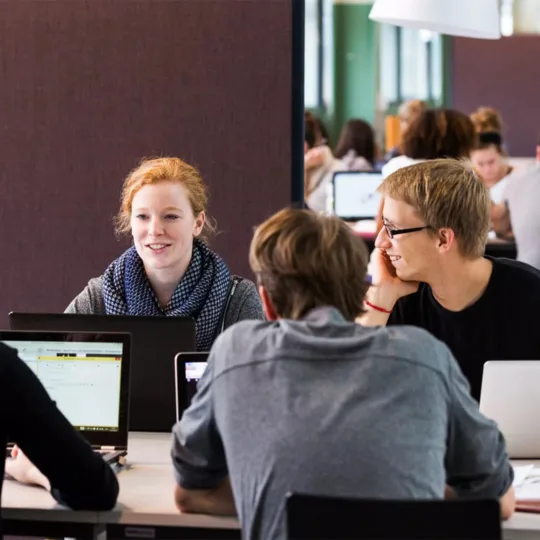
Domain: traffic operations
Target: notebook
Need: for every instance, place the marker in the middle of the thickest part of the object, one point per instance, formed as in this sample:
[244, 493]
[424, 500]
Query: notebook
[355, 195]
[155, 342]
[87, 375]
[188, 369]
[510, 395]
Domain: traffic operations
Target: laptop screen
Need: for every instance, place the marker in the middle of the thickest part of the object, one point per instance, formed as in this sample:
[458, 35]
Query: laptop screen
[356, 196]
[83, 378]
[193, 371]
[188, 369]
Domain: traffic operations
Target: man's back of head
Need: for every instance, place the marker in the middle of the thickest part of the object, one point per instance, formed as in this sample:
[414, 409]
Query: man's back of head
[305, 260]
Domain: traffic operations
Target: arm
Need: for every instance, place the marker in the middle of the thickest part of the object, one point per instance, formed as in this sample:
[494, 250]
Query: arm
[385, 291]
[90, 300]
[77, 477]
[245, 304]
[500, 219]
[477, 464]
[199, 458]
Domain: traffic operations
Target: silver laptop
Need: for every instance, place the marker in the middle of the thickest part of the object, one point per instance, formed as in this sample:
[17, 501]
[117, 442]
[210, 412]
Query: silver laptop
[355, 195]
[510, 396]
[87, 375]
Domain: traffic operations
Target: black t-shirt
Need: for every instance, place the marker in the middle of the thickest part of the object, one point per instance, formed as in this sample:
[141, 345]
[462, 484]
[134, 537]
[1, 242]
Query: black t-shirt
[79, 477]
[502, 325]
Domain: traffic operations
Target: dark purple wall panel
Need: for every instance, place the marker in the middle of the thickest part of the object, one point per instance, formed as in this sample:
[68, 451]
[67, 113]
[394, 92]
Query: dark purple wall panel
[90, 87]
[504, 74]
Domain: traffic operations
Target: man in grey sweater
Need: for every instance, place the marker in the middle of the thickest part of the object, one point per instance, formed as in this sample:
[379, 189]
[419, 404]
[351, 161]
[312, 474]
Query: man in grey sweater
[311, 402]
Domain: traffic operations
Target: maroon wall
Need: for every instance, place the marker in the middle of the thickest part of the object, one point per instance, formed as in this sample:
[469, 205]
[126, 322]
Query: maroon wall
[91, 86]
[504, 74]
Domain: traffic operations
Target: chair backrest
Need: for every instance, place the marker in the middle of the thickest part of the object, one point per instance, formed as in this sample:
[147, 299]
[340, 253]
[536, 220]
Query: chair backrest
[316, 518]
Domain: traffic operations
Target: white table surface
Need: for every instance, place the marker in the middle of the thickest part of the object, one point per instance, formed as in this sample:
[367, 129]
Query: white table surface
[146, 496]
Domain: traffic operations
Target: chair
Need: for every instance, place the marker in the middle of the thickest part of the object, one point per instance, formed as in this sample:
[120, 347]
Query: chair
[317, 518]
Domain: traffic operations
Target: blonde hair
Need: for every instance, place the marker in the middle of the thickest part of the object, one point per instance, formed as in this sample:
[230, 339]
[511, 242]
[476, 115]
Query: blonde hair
[164, 169]
[305, 260]
[410, 110]
[487, 119]
[446, 193]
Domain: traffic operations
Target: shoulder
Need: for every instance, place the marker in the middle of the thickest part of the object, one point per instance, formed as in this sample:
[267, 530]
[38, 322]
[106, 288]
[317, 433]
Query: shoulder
[90, 299]
[514, 275]
[245, 302]
[418, 347]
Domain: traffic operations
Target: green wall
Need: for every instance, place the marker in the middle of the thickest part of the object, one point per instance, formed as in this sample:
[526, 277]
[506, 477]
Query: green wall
[355, 64]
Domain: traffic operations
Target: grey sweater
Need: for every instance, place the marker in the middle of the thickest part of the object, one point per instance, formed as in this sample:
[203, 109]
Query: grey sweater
[244, 304]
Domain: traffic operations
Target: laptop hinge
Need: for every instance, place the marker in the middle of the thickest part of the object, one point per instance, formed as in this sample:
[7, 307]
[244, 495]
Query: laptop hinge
[107, 448]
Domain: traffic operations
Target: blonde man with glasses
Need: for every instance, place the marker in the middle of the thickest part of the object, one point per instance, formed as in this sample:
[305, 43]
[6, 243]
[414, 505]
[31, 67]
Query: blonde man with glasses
[311, 402]
[429, 269]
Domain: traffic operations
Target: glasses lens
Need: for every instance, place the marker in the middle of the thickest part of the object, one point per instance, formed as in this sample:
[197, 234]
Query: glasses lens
[388, 231]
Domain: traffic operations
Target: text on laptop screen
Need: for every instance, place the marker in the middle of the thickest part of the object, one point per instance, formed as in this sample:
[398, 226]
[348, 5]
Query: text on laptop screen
[356, 196]
[194, 371]
[83, 378]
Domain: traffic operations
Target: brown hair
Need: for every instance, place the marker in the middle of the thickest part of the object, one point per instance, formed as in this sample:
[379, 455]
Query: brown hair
[305, 260]
[487, 119]
[439, 133]
[446, 193]
[356, 135]
[163, 169]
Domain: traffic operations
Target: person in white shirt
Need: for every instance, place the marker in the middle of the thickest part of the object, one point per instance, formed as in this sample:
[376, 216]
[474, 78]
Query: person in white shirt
[518, 211]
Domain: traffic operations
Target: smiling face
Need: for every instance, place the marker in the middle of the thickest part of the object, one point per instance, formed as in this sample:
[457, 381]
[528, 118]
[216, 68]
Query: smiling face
[163, 226]
[414, 255]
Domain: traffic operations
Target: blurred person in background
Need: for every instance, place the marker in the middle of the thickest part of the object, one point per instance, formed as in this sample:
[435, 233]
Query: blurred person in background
[356, 146]
[319, 164]
[408, 112]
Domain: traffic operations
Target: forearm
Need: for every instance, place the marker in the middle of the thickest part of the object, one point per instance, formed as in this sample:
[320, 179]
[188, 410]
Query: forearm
[218, 501]
[378, 306]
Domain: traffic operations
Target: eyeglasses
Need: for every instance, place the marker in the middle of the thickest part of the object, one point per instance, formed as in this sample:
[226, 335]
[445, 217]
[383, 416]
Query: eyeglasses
[394, 232]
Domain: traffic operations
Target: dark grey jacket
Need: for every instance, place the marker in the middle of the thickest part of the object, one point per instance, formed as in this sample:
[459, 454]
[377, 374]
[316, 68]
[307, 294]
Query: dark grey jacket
[244, 304]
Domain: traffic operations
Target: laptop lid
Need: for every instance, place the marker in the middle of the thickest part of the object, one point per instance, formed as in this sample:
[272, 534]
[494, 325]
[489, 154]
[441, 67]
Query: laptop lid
[355, 194]
[510, 395]
[86, 374]
[188, 369]
[155, 342]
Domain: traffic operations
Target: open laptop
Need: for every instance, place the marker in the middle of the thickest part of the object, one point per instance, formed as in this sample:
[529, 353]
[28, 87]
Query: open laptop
[355, 195]
[87, 375]
[510, 396]
[188, 369]
[155, 342]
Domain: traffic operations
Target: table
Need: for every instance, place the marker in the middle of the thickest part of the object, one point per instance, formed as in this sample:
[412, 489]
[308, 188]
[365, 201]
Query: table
[146, 506]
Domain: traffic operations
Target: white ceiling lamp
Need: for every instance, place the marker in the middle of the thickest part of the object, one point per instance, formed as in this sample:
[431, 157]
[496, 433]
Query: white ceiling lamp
[466, 18]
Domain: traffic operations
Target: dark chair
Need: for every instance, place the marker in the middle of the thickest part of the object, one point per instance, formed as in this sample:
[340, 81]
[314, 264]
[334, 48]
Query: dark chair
[317, 518]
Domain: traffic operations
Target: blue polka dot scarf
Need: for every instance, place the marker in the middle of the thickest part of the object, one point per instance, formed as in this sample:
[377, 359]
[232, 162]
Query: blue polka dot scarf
[201, 293]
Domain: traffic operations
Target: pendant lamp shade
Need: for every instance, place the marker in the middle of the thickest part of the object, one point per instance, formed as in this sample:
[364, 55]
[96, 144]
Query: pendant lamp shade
[466, 18]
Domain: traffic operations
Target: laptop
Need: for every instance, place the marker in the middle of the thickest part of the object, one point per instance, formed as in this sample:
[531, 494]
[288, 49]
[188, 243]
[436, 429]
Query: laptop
[188, 369]
[87, 375]
[155, 342]
[510, 396]
[355, 195]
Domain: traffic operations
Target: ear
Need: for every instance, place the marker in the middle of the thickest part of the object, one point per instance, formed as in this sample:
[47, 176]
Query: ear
[446, 238]
[268, 307]
[199, 224]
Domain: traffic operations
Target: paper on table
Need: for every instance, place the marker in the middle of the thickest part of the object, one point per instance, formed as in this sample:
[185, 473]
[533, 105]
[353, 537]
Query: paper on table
[520, 473]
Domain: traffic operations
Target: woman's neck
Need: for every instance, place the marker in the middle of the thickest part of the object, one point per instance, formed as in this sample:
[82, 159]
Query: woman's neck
[164, 281]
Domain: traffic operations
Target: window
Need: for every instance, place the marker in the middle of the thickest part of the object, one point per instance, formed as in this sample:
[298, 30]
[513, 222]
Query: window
[411, 65]
[318, 53]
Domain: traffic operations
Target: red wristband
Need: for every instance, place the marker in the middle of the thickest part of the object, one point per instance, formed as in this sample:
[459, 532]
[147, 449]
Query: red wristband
[377, 308]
